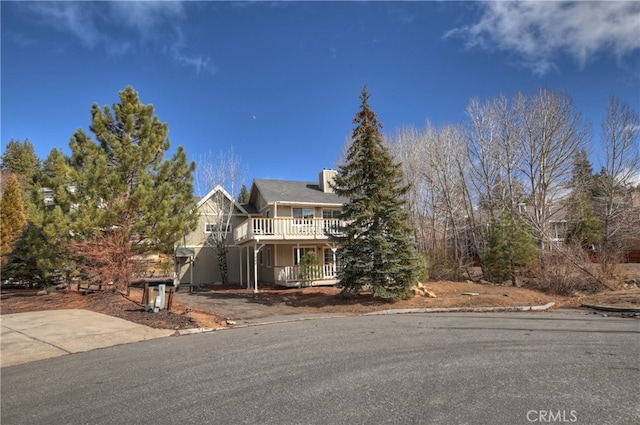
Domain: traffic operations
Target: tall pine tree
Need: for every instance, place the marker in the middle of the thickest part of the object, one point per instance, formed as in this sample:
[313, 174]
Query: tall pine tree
[585, 227]
[20, 158]
[12, 216]
[510, 247]
[377, 243]
[123, 190]
[243, 196]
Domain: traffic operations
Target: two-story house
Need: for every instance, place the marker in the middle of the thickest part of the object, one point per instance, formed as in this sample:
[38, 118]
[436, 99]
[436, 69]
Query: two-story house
[266, 238]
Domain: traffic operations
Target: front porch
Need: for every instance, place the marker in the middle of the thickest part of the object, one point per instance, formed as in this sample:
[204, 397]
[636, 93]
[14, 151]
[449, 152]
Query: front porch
[281, 263]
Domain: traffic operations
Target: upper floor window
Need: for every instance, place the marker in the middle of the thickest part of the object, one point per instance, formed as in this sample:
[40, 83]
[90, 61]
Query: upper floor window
[303, 215]
[214, 227]
[329, 214]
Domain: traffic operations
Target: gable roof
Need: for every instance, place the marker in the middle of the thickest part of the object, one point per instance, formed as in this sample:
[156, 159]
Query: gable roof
[293, 192]
[219, 188]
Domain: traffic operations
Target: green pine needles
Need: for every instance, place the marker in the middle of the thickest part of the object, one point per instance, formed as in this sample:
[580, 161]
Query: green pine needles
[510, 248]
[378, 247]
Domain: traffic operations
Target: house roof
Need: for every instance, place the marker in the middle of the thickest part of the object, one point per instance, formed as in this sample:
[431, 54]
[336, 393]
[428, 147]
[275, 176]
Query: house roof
[294, 192]
[250, 208]
[226, 194]
[182, 252]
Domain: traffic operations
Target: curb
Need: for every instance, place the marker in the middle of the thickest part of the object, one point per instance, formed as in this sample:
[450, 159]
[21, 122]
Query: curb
[612, 308]
[192, 331]
[462, 309]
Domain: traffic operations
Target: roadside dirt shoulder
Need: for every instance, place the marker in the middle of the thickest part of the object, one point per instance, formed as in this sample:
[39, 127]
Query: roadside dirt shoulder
[213, 306]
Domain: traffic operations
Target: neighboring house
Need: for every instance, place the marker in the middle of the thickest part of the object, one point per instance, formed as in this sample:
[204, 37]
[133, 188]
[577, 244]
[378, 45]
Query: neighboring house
[48, 195]
[266, 238]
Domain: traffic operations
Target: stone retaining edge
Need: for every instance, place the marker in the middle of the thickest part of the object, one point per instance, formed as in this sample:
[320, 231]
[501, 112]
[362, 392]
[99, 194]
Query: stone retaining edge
[612, 308]
[462, 309]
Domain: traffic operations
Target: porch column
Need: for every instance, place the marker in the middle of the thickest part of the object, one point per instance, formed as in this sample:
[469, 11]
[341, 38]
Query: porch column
[176, 271]
[248, 274]
[335, 262]
[193, 264]
[256, 249]
[255, 269]
[240, 263]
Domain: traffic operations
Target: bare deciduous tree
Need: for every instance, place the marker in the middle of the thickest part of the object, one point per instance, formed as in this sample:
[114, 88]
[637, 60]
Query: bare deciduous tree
[225, 170]
[407, 146]
[615, 183]
[447, 160]
[493, 157]
[552, 133]
[514, 157]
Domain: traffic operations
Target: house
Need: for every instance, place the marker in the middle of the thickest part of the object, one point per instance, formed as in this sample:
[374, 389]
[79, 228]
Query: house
[266, 238]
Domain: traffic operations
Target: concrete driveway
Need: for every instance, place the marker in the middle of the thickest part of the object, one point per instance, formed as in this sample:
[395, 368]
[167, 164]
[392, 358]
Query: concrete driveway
[26, 337]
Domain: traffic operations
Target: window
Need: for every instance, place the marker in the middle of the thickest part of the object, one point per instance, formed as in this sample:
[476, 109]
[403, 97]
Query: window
[328, 256]
[213, 227]
[303, 215]
[331, 262]
[268, 257]
[331, 221]
[298, 253]
[329, 214]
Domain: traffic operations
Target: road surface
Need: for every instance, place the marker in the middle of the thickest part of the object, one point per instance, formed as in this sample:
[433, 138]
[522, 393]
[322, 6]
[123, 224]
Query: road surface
[520, 368]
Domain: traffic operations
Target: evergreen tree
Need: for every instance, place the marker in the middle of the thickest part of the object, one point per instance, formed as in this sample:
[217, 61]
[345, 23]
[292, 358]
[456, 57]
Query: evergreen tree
[243, 196]
[21, 159]
[585, 227]
[12, 216]
[123, 189]
[377, 243]
[310, 269]
[40, 254]
[509, 247]
[33, 260]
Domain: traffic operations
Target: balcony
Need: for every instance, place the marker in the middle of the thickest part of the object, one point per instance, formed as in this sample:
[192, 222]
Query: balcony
[277, 229]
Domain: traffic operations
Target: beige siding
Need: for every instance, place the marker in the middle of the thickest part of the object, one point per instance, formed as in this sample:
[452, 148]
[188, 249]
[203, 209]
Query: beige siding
[198, 237]
[285, 211]
[260, 202]
[265, 272]
[206, 269]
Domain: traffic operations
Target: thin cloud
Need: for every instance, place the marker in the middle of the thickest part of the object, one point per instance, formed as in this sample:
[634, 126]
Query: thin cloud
[76, 18]
[145, 16]
[202, 64]
[538, 31]
[151, 22]
[22, 40]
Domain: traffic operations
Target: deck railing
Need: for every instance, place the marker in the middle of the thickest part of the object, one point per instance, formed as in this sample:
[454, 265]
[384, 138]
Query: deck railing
[290, 274]
[286, 228]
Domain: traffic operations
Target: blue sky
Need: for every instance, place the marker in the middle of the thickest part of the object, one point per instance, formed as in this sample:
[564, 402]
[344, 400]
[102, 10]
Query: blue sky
[279, 82]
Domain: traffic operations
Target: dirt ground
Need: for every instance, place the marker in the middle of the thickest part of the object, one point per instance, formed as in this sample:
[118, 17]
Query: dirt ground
[111, 303]
[215, 306]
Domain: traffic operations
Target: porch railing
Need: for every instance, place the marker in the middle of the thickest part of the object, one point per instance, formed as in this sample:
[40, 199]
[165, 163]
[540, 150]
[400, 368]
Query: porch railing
[288, 274]
[286, 228]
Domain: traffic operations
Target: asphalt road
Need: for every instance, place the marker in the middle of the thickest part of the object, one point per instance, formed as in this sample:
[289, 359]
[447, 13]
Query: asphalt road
[521, 368]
